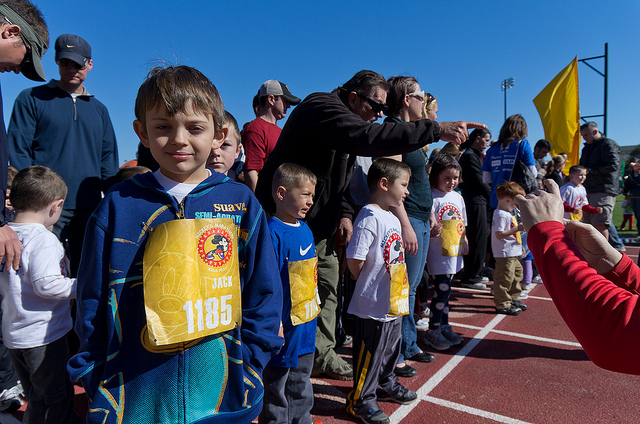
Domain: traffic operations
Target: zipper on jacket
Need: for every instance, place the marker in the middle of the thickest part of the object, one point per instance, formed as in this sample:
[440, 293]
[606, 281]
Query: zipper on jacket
[181, 209]
[75, 109]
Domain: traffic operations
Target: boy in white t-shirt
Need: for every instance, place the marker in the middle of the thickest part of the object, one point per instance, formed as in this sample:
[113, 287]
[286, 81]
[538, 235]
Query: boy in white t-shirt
[507, 249]
[375, 257]
[574, 195]
[35, 299]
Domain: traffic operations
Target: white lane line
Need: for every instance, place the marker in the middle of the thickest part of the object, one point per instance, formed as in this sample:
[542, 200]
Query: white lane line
[474, 411]
[424, 391]
[520, 335]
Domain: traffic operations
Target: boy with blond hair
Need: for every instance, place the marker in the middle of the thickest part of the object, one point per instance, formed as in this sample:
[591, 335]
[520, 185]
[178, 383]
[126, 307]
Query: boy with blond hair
[288, 394]
[35, 299]
[506, 243]
[375, 257]
[178, 302]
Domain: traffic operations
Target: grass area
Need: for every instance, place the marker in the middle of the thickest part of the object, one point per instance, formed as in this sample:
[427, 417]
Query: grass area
[617, 218]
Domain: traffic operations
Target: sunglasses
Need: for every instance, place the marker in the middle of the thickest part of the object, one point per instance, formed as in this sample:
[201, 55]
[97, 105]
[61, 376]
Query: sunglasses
[66, 63]
[376, 106]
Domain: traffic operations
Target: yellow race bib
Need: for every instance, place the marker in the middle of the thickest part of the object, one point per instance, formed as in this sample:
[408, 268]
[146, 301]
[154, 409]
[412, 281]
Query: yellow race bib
[452, 236]
[303, 283]
[191, 279]
[576, 216]
[399, 290]
[514, 221]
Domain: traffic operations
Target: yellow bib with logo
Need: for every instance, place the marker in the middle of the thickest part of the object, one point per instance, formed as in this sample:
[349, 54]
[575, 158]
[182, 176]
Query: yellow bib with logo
[576, 216]
[452, 236]
[191, 279]
[517, 234]
[303, 283]
[399, 290]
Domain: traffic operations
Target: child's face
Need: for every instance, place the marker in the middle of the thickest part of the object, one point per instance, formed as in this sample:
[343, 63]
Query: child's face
[181, 143]
[507, 203]
[397, 190]
[222, 158]
[577, 178]
[296, 201]
[448, 179]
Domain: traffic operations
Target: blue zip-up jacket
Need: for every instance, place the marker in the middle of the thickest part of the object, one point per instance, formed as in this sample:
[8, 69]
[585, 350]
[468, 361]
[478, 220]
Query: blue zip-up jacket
[210, 380]
[75, 138]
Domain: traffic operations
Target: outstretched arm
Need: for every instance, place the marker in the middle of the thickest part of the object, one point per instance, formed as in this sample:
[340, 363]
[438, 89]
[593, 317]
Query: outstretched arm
[602, 311]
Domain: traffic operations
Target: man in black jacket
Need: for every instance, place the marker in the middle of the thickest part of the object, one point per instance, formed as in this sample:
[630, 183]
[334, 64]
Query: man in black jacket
[601, 157]
[324, 134]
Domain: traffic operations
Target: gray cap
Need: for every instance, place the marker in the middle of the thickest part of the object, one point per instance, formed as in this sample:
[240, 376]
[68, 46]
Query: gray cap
[36, 46]
[277, 88]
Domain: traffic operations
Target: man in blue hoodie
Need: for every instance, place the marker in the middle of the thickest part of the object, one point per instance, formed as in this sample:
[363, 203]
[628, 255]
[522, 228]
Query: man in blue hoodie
[61, 126]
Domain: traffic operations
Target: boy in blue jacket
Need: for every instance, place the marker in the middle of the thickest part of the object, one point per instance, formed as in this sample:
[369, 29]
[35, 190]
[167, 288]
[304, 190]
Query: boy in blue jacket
[178, 302]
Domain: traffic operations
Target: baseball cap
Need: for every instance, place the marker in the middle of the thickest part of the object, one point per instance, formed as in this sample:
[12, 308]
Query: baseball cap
[72, 47]
[277, 88]
[36, 46]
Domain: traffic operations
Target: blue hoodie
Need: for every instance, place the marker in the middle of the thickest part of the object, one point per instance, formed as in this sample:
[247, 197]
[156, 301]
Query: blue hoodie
[209, 380]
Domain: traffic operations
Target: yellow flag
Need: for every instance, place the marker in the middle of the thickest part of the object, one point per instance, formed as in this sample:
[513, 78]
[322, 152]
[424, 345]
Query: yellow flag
[559, 109]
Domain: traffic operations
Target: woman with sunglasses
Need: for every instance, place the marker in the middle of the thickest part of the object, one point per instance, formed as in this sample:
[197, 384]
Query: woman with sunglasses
[405, 103]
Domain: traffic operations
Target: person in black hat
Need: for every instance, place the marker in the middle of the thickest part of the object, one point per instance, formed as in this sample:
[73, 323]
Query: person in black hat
[24, 38]
[73, 134]
[261, 135]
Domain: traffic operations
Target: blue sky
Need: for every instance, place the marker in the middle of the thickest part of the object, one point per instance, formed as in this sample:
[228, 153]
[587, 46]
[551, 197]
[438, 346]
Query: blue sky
[458, 50]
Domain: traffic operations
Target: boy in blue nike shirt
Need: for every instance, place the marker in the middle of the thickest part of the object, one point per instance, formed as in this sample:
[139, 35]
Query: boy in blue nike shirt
[288, 396]
[178, 302]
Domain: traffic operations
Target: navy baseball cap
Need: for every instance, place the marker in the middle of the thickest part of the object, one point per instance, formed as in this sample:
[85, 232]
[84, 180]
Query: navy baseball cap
[72, 47]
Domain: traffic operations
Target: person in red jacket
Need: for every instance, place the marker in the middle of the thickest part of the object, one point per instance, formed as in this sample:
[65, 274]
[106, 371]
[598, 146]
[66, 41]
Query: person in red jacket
[595, 288]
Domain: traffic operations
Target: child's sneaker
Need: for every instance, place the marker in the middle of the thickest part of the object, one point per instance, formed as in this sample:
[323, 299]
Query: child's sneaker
[436, 340]
[511, 310]
[422, 324]
[373, 416]
[424, 312]
[449, 334]
[537, 280]
[476, 286]
[524, 294]
[519, 304]
[528, 287]
[10, 400]
[403, 396]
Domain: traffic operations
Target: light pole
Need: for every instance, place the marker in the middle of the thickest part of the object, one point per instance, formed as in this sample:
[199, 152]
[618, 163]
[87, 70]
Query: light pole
[508, 83]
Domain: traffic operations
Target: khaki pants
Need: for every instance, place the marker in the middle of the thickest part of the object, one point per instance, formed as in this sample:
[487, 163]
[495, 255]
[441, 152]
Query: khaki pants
[506, 281]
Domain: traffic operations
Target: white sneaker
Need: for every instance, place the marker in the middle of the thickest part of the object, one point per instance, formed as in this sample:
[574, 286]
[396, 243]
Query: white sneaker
[485, 279]
[528, 287]
[10, 398]
[422, 324]
[537, 280]
[524, 294]
[425, 312]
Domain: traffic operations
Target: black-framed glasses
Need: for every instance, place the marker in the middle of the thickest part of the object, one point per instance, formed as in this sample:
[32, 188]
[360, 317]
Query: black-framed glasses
[66, 63]
[376, 106]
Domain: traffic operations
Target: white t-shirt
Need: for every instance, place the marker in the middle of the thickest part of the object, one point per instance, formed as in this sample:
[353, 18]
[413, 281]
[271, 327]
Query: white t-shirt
[174, 188]
[446, 206]
[574, 196]
[35, 299]
[377, 241]
[506, 247]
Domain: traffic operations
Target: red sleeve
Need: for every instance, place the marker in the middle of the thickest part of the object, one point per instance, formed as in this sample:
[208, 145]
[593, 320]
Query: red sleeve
[254, 149]
[567, 207]
[601, 311]
[589, 209]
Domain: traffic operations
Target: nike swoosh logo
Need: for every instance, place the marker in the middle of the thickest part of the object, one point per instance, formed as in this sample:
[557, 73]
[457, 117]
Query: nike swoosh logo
[304, 251]
[70, 47]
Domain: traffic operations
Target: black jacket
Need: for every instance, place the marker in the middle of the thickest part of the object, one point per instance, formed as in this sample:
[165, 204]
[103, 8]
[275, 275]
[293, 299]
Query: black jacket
[324, 136]
[602, 160]
[474, 191]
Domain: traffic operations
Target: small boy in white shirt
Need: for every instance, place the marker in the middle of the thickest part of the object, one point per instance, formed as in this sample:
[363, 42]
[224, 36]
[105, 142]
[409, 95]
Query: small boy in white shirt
[507, 249]
[35, 299]
[574, 195]
[375, 257]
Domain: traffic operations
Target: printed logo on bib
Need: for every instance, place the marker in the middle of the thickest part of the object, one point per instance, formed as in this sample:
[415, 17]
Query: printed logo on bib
[215, 246]
[393, 253]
